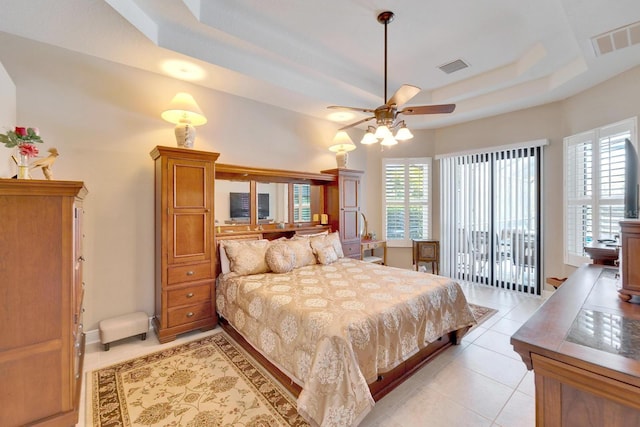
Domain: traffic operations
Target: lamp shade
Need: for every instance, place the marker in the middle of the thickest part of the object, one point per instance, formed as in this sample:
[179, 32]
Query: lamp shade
[342, 142]
[184, 109]
[388, 141]
[403, 133]
[369, 138]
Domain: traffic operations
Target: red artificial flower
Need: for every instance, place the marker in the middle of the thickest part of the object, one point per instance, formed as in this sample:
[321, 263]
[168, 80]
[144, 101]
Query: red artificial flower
[28, 150]
[21, 131]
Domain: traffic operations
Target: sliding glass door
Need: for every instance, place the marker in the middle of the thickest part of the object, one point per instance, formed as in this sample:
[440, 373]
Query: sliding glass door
[491, 223]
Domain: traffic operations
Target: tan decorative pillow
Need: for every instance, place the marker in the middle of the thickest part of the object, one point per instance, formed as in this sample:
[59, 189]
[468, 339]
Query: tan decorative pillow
[247, 256]
[303, 251]
[331, 239]
[309, 235]
[280, 258]
[327, 255]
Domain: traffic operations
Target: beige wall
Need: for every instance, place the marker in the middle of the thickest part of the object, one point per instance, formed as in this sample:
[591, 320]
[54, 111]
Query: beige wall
[7, 116]
[609, 102]
[104, 119]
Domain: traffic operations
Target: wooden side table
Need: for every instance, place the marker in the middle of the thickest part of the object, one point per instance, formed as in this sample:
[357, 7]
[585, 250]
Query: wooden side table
[427, 251]
[372, 245]
[602, 254]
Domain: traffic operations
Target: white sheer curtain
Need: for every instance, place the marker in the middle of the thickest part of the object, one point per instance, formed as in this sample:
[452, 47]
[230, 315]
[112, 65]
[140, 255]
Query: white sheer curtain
[490, 216]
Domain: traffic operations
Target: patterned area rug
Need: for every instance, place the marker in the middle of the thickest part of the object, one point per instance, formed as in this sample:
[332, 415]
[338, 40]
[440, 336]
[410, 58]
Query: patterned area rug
[208, 382]
[481, 313]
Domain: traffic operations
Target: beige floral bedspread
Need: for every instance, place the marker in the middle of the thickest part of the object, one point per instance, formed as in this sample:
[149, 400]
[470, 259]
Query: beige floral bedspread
[334, 328]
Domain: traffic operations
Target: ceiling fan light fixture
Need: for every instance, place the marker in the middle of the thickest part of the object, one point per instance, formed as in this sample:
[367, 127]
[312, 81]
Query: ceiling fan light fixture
[386, 115]
[369, 137]
[403, 133]
[388, 141]
[382, 132]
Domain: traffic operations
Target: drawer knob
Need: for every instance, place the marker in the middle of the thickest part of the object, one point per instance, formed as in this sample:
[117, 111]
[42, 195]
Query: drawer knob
[190, 295]
[81, 258]
[190, 273]
[190, 314]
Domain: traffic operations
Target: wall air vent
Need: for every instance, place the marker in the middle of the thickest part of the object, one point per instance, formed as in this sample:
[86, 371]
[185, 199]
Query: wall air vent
[453, 66]
[616, 39]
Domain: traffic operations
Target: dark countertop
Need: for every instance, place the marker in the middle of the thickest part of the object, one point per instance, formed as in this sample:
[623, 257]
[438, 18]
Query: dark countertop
[586, 324]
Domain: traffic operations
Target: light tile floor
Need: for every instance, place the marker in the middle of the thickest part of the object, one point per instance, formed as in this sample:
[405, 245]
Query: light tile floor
[481, 382]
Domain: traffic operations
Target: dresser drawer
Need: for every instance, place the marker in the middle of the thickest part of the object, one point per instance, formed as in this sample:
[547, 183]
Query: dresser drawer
[351, 250]
[189, 273]
[190, 295]
[188, 314]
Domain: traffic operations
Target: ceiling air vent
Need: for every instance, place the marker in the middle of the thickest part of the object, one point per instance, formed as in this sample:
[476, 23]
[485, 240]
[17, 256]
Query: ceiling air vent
[616, 39]
[454, 66]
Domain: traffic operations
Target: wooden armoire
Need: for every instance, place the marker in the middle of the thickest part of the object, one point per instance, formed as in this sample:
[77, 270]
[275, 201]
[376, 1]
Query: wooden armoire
[185, 256]
[342, 204]
[41, 291]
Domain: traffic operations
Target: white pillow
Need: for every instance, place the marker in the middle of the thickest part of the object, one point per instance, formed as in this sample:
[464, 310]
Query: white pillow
[224, 259]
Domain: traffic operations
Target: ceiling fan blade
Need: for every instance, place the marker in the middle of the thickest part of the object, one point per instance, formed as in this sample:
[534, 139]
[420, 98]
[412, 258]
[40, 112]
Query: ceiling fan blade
[357, 123]
[429, 109]
[340, 107]
[403, 95]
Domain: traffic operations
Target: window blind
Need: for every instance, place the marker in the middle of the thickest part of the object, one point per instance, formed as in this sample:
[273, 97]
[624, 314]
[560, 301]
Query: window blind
[490, 221]
[594, 165]
[406, 200]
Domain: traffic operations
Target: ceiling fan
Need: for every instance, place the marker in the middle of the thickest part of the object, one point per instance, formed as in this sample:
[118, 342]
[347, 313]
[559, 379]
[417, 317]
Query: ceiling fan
[387, 113]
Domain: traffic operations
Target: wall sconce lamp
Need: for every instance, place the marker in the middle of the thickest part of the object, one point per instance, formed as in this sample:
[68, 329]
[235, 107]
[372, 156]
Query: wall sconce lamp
[342, 144]
[185, 113]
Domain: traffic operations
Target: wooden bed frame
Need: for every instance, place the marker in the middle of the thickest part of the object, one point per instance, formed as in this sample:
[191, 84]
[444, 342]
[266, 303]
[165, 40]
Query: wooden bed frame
[385, 383]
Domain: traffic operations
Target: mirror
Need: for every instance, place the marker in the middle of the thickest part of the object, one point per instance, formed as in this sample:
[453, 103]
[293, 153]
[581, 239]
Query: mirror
[302, 203]
[231, 202]
[273, 201]
[307, 202]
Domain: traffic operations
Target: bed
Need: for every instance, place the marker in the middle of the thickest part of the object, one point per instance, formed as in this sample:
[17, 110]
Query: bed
[340, 332]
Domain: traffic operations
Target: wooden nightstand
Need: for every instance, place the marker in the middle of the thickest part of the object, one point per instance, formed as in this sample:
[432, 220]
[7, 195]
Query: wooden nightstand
[372, 245]
[427, 251]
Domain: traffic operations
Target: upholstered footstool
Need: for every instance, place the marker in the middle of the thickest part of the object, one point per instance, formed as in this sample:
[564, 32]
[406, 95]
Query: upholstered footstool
[127, 325]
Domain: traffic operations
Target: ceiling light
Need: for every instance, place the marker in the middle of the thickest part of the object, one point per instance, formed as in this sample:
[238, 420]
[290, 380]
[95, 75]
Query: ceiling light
[388, 141]
[185, 113]
[342, 144]
[403, 133]
[382, 132]
[369, 137]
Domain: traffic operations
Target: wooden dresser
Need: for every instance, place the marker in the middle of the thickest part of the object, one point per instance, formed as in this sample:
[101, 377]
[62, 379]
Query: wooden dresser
[184, 256]
[41, 291]
[342, 201]
[630, 259]
[583, 345]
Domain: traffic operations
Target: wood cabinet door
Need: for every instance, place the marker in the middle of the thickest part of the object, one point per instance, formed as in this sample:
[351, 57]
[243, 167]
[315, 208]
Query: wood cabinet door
[350, 192]
[349, 207]
[189, 210]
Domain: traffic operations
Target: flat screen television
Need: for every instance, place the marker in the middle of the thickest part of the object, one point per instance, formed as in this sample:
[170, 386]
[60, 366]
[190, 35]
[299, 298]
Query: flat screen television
[239, 205]
[630, 180]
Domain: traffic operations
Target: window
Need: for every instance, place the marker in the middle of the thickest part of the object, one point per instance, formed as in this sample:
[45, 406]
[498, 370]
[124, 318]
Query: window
[301, 202]
[406, 200]
[490, 222]
[594, 186]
